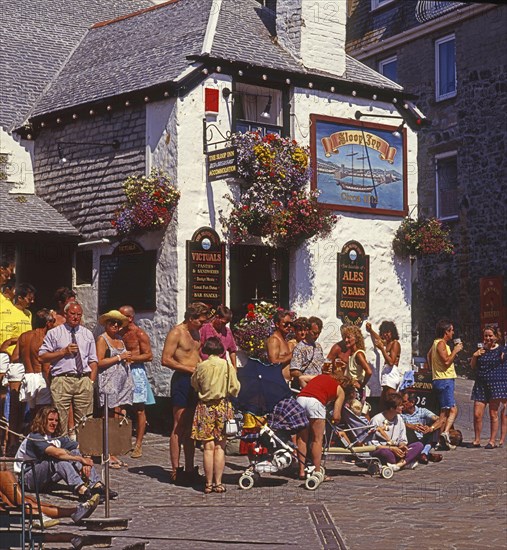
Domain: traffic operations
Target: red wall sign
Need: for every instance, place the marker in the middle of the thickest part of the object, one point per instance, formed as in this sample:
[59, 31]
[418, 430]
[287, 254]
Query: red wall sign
[492, 302]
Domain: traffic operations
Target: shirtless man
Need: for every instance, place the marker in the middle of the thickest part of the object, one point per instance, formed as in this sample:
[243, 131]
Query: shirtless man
[34, 387]
[279, 350]
[138, 343]
[181, 353]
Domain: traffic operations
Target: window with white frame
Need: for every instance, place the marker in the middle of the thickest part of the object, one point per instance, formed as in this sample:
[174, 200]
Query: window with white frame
[445, 67]
[388, 68]
[378, 3]
[446, 166]
[258, 109]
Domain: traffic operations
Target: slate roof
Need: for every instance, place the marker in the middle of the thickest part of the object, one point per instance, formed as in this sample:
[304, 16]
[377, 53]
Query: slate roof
[23, 213]
[130, 54]
[37, 38]
[151, 48]
[245, 33]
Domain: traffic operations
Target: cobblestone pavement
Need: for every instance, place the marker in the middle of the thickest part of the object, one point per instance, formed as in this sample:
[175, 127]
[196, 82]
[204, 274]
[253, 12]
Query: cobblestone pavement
[459, 503]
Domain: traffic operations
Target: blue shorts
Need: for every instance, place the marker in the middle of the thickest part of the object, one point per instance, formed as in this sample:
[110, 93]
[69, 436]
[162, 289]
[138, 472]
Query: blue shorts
[444, 388]
[182, 393]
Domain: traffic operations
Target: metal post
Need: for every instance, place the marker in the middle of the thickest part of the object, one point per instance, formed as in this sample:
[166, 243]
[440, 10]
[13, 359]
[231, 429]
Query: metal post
[105, 454]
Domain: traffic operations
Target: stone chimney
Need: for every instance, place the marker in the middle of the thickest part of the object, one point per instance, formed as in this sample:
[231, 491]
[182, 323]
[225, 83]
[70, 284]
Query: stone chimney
[314, 32]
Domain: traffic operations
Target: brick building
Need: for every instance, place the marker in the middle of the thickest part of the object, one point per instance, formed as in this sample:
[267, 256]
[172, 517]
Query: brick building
[452, 55]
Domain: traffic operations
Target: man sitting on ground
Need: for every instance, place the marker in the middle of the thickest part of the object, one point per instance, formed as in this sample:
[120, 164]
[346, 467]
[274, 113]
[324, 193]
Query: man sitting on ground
[422, 425]
[57, 458]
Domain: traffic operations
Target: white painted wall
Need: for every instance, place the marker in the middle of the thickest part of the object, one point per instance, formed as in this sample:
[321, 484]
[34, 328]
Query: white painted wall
[20, 168]
[390, 288]
[314, 32]
[174, 143]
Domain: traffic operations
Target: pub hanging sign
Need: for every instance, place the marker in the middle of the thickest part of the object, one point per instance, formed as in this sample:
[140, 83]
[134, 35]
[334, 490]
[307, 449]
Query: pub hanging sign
[206, 268]
[353, 284]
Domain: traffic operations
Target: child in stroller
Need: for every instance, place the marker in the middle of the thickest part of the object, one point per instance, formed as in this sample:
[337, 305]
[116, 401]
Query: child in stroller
[267, 399]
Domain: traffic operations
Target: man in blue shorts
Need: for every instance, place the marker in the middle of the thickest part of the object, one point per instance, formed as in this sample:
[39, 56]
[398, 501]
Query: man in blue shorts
[181, 354]
[138, 343]
[441, 360]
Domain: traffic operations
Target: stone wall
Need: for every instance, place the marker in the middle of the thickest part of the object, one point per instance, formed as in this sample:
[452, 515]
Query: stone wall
[473, 125]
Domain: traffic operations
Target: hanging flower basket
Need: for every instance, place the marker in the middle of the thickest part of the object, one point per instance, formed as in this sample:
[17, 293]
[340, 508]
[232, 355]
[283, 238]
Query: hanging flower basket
[149, 206]
[422, 237]
[274, 203]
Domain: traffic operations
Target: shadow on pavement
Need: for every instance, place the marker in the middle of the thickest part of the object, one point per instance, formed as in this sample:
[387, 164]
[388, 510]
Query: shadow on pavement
[154, 471]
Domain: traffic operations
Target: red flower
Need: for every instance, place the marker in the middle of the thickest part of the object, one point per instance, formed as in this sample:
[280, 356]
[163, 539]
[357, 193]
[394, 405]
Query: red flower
[250, 307]
[250, 315]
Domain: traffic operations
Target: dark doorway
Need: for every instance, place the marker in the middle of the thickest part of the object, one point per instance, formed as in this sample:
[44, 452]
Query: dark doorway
[47, 265]
[258, 273]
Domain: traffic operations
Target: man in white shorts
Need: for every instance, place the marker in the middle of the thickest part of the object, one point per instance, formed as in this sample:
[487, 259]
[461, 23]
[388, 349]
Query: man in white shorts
[34, 387]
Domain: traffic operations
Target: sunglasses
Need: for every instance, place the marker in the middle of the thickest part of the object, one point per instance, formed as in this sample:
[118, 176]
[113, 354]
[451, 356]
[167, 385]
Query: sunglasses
[114, 322]
[286, 325]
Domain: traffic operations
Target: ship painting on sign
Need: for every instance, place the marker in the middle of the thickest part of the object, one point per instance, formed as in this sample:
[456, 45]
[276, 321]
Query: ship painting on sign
[345, 176]
[359, 167]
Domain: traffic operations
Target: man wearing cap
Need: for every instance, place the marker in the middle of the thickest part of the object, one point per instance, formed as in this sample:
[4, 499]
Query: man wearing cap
[138, 343]
[70, 349]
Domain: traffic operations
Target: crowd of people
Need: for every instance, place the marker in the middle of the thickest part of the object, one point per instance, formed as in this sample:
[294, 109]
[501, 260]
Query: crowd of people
[54, 366]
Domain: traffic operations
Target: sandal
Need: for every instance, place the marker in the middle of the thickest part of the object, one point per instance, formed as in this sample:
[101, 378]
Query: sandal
[491, 446]
[118, 464]
[208, 488]
[219, 488]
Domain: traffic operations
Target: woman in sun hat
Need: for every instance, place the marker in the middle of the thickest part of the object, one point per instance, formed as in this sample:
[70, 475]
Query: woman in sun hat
[114, 379]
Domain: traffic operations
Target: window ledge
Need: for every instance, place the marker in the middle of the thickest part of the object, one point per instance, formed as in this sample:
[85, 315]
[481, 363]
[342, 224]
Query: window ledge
[446, 219]
[446, 97]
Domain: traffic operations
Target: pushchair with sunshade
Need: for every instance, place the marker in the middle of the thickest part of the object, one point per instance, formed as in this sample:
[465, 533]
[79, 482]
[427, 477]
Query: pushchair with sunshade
[353, 439]
[266, 400]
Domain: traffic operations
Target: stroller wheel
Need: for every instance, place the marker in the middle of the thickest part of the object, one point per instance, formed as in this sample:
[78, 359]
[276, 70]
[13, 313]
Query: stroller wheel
[320, 475]
[313, 482]
[246, 481]
[386, 472]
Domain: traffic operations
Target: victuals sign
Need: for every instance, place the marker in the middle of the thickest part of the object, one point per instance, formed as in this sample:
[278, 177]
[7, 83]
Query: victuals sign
[206, 268]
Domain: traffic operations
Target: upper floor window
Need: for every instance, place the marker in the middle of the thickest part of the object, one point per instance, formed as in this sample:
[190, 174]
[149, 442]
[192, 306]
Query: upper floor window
[378, 3]
[258, 109]
[445, 67]
[446, 166]
[388, 68]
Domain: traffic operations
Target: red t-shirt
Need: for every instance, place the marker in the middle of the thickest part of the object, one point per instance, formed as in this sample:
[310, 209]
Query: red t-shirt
[323, 388]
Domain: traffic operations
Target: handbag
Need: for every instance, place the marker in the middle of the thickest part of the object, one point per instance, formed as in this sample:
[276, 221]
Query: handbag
[232, 424]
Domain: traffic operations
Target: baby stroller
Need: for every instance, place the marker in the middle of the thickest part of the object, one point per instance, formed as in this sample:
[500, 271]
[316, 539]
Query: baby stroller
[356, 440]
[267, 400]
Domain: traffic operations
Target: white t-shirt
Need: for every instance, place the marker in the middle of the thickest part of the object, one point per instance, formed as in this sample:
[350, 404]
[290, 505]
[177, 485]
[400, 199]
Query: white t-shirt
[395, 429]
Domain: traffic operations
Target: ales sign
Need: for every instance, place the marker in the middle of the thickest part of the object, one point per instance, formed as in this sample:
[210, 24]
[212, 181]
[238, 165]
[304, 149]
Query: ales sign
[353, 292]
